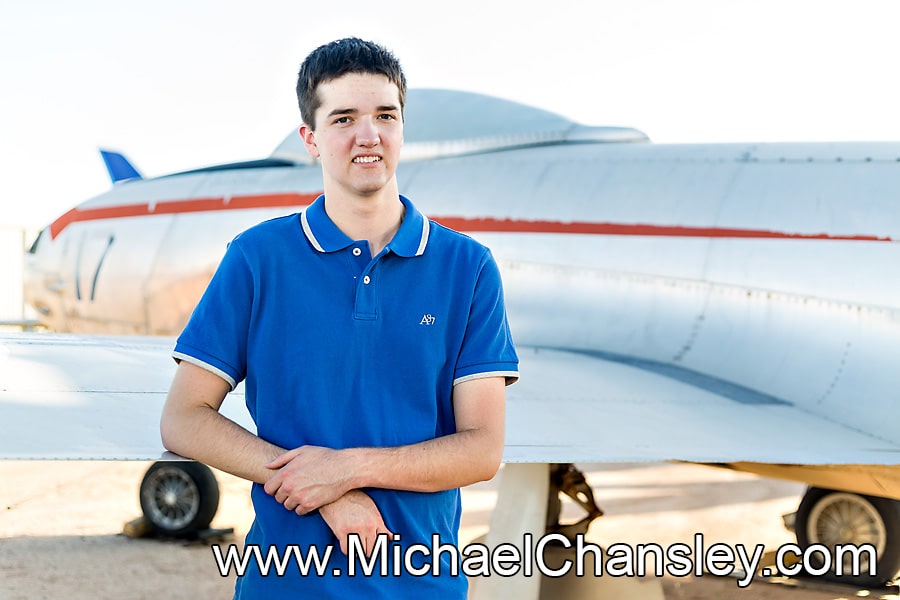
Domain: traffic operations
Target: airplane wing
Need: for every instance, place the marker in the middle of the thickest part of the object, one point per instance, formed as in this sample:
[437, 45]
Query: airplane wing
[100, 397]
[600, 407]
[88, 397]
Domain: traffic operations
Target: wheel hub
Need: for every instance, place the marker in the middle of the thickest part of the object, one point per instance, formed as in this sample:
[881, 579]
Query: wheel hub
[844, 518]
[172, 498]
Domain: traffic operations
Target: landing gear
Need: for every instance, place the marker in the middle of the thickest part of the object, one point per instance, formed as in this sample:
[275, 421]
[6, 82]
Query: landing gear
[832, 518]
[528, 502]
[566, 479]
[179, 498]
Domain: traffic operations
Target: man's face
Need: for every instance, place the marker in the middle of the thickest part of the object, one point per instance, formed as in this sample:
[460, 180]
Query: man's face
[359, 131]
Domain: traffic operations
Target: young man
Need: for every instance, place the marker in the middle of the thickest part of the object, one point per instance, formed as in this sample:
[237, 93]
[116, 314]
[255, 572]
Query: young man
[374, 348]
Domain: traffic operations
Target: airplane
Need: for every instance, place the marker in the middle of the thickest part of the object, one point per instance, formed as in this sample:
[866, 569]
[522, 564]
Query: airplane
[723, 304]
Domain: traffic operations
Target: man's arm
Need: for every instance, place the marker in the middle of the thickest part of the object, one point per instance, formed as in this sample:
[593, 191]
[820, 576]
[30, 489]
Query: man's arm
[192, 426]
[311, 476]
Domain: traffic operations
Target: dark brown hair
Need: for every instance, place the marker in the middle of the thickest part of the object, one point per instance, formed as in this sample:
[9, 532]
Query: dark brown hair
[337, 58]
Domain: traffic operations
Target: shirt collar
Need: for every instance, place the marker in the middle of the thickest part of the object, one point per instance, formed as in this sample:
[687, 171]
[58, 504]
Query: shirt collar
[410, 240]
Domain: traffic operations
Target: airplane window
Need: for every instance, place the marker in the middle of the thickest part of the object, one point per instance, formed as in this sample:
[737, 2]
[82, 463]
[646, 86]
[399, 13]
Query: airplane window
[37, 240]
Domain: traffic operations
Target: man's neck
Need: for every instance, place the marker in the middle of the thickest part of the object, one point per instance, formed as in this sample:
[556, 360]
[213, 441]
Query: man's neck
[375, 218]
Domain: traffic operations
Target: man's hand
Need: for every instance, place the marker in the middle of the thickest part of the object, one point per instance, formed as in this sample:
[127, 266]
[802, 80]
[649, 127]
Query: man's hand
[308, 478]
[355, 512]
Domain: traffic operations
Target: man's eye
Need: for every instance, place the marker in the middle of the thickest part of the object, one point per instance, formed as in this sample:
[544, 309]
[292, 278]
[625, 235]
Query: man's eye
[387, 117]
[342, 120]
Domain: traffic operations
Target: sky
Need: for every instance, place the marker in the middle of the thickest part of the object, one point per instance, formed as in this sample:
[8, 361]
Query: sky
[189, 83]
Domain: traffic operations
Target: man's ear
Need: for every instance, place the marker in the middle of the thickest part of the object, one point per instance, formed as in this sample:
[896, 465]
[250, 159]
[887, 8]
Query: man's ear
[309, 140]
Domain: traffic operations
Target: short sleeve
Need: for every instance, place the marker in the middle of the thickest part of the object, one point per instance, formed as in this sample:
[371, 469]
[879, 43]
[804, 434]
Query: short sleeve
[487, 348]
[215, 337]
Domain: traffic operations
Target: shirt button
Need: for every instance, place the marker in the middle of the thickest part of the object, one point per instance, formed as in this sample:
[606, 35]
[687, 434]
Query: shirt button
[357, 252]
[366, 280]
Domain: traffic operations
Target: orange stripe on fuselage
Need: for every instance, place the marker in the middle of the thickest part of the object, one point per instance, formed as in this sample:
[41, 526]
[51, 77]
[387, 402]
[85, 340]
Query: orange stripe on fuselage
[482, 224]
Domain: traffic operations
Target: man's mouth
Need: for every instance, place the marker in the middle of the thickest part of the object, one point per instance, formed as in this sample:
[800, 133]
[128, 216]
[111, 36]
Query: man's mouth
[367, 159]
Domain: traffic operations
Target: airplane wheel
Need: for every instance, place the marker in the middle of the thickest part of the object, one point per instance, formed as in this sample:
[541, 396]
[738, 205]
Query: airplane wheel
[831, 517]
[179, 498]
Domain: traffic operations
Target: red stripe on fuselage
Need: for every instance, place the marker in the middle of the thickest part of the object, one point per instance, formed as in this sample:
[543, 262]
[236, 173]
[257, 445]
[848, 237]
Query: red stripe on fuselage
[171, 207]
[633, 229]
[485, 224]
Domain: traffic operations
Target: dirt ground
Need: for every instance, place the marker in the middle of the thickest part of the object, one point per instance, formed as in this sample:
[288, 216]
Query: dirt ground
[60, 525]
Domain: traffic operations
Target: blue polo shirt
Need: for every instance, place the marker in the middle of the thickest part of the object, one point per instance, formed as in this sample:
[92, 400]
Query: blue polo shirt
[340, 349]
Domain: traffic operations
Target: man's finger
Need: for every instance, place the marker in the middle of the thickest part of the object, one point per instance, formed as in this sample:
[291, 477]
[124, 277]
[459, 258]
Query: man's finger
[372, 541]
[272, 485]
[282, 459]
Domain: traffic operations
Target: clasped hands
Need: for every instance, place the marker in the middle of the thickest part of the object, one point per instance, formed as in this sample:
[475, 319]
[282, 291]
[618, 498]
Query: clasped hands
[312, 477]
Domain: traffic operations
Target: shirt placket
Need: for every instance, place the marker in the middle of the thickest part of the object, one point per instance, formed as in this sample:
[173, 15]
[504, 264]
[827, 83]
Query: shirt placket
[365, 305]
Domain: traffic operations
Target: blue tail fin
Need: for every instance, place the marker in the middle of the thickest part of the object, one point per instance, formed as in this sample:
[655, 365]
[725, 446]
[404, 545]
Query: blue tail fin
[118, 167]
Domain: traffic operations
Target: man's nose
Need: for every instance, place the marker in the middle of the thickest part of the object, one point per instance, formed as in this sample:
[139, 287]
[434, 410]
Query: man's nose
[367, 133]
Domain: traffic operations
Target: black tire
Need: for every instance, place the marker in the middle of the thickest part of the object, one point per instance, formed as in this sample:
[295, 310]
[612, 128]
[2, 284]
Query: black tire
[179, 498]
[832, 517]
